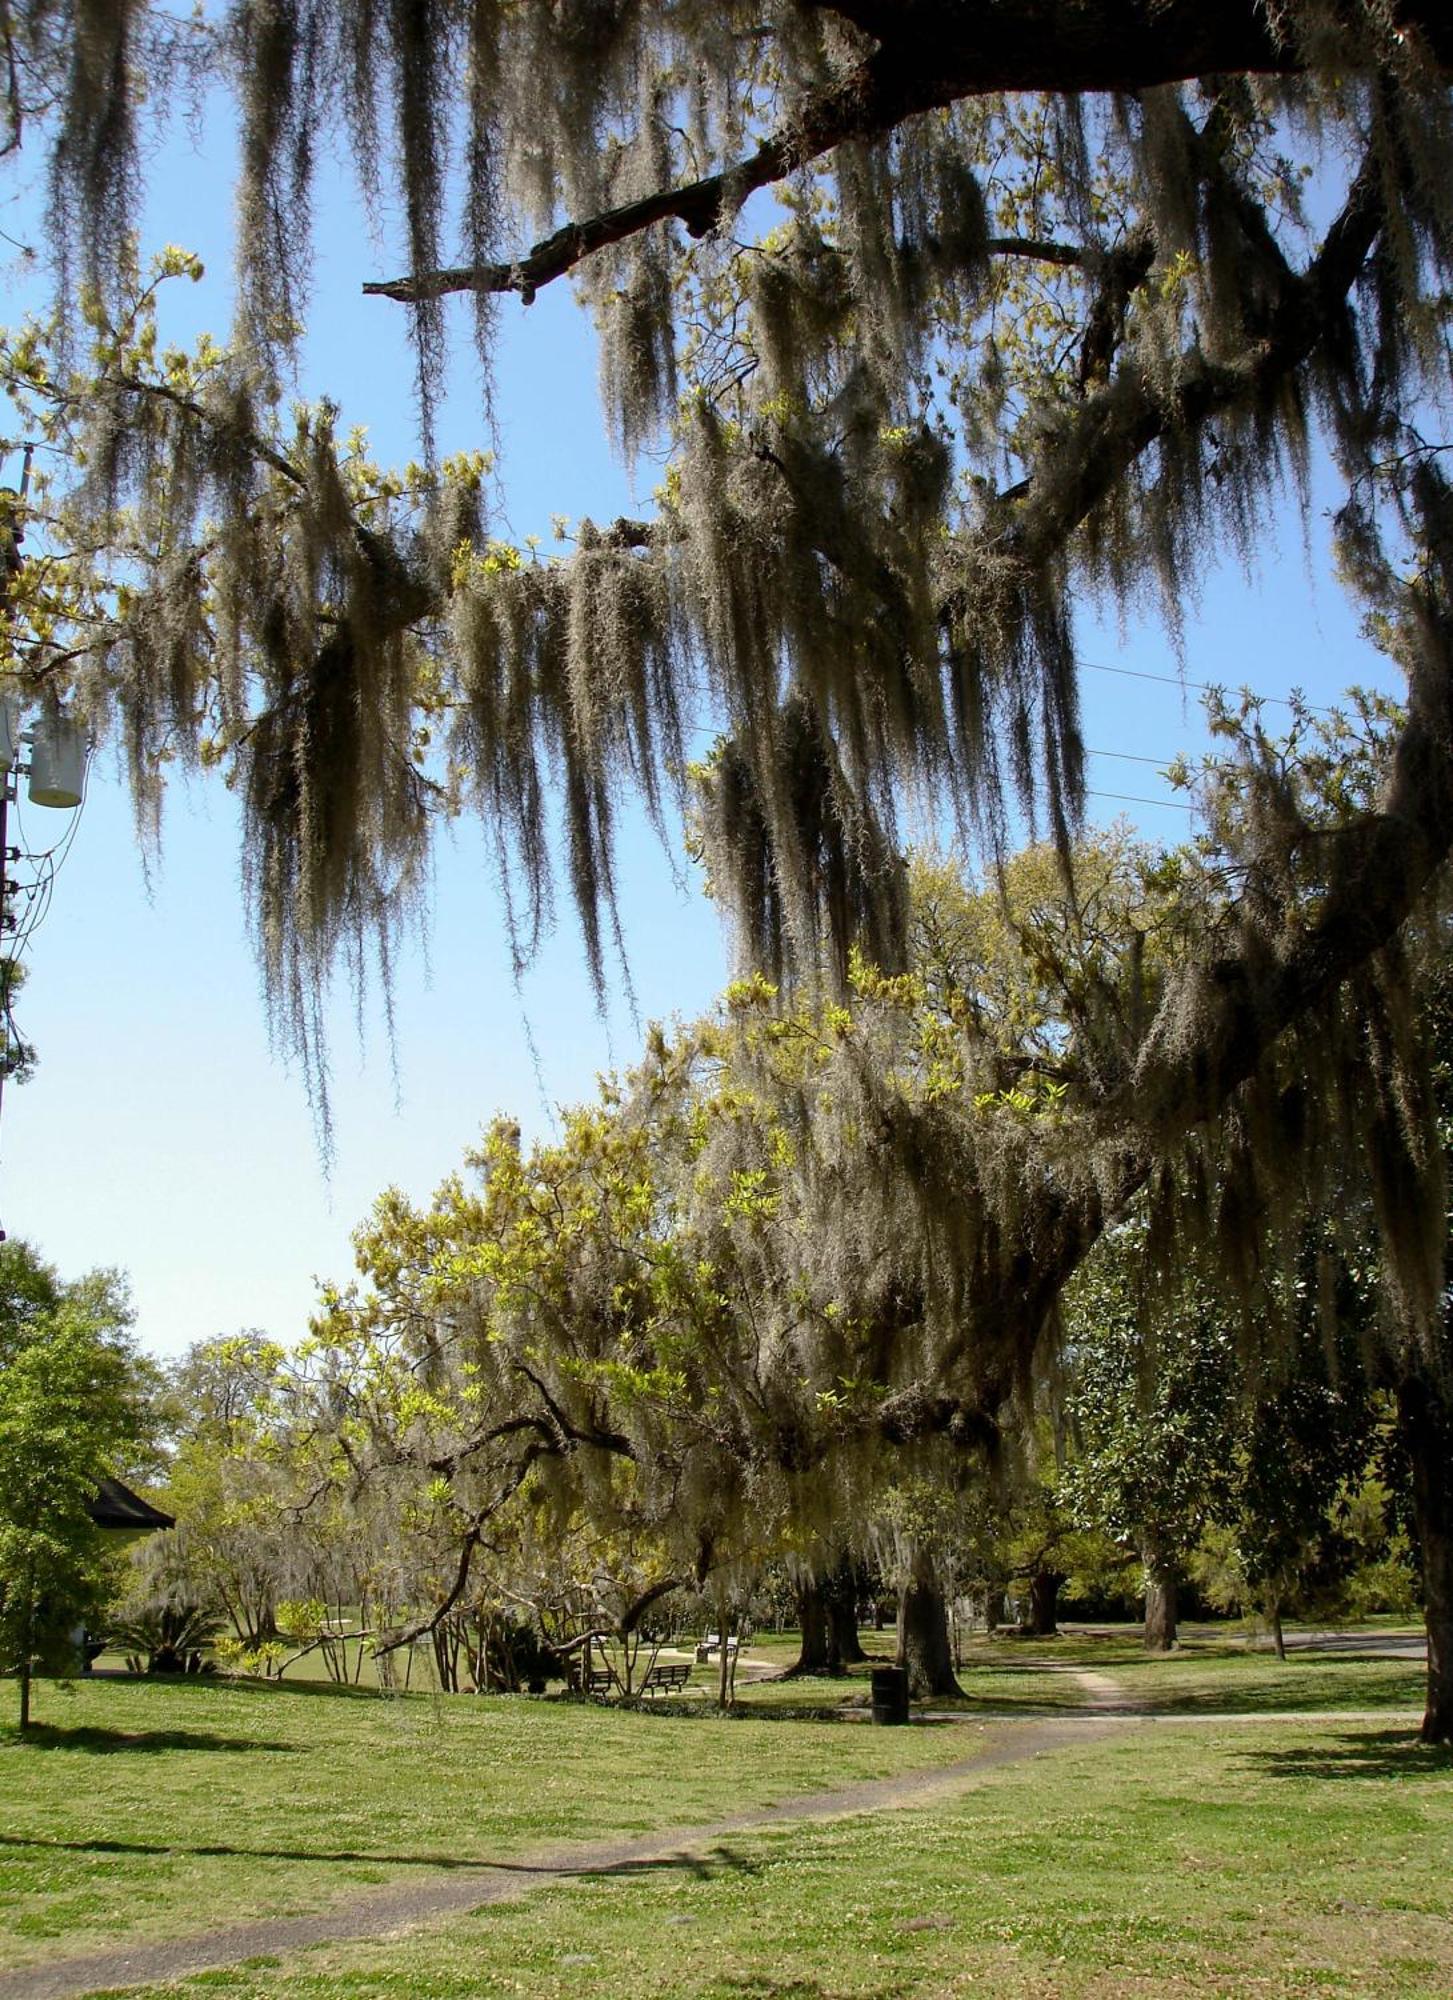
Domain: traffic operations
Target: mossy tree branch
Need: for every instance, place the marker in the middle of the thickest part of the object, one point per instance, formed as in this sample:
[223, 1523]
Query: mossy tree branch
[930, 56]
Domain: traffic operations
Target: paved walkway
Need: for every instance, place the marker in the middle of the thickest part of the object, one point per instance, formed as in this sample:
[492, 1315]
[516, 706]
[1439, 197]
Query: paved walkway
[401, 1905]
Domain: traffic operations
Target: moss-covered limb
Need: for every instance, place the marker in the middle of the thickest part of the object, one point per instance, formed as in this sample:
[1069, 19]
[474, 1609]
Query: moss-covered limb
[928, 56]
[1217, 1031]
[1097, 444]
[998, 590]
[702, 205]
[1376, 871]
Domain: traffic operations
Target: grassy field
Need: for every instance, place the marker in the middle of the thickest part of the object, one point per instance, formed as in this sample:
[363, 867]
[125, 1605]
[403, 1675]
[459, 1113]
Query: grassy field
[1212, 1673]
[1197, 1859]
[138, 1808]
[1189, 1855]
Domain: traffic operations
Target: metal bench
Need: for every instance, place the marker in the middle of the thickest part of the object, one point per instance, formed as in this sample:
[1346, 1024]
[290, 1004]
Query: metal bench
[669, 1677]
[712, 1644]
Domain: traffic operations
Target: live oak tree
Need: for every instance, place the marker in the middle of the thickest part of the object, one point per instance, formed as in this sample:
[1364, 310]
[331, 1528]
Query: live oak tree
[1034, 308]
[717, 1304]
[550, 1350]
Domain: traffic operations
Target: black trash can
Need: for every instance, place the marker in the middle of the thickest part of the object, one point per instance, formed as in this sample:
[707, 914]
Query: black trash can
[890, 1694]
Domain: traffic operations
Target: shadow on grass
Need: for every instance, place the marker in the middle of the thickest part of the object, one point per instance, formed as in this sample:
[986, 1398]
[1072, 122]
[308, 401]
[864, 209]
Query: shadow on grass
[766, 1986]
[746, 1711]
[1304, 1691]
[322, 1690]
[1287, 1701]
[718, 1860]
[1379, 1753]
[694, 1708]
[109, 1742]
[215, 1684]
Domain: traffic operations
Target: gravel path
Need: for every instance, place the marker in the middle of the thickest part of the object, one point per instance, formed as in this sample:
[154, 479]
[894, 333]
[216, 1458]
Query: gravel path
[401, 1905]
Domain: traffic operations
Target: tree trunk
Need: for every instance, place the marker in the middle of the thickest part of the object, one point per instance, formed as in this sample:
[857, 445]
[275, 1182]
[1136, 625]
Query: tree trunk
[1160, 1604]
[1425, 1428]
[27, 1646]
[827, 1614]
[840, 1596]
[923, 1641]
[816, 1654]
[1044, 1589]
[1278, 1637]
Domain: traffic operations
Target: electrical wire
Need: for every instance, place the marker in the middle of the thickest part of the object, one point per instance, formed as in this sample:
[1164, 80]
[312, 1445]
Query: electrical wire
[1200, 687]
[1130, 757]
[1133, 799]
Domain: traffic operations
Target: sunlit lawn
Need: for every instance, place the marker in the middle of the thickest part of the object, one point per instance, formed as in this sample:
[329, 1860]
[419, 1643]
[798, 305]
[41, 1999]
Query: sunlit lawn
[1209, 1672]
[1213, 1671]
[1209, 1860]
[148, 1808]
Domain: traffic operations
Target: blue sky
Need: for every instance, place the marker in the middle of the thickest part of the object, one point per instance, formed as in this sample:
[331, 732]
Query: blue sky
[160, 1133]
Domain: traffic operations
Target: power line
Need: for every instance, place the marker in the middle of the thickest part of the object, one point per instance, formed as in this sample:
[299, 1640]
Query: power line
[1130, 757]
[1200, 687]
[1131, 799]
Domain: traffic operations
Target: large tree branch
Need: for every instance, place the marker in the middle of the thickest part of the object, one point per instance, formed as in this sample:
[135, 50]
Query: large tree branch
[1115, 428]
[1376, 870]
[871, 100]
[931, 54]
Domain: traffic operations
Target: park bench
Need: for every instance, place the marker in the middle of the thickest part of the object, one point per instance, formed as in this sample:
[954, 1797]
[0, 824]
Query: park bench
[666, 1677]
[712, 1644]
[600, 1680]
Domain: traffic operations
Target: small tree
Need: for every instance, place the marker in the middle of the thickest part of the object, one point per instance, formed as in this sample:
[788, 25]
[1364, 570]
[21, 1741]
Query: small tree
[1154, 1412]
[74, 1407]
[235, 1544]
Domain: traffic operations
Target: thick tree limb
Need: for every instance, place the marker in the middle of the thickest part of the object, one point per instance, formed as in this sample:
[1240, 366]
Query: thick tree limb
[873, 99]
[1376, 872]
[931, 54]
[570, 1433]
[1122, 422]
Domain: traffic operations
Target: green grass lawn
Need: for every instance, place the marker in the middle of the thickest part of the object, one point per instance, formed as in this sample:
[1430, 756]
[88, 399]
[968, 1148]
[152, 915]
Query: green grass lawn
[1214, 1678]
[1285, 1860]
[1197, 1856]
[146, 1808]
[1212, 1672]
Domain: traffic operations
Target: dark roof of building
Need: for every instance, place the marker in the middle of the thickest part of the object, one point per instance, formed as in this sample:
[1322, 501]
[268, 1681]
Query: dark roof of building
[116, 1506]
